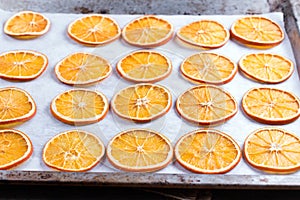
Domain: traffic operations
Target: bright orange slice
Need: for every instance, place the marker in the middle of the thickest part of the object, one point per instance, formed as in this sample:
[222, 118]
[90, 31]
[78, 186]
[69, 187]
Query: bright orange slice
[15, 148]
[148, 31]
[139, 150]
[204, 33]
[144, 66]
[273, 150]
[82, 69]
[27, 25]
[209, 68]
[207, 151]
[94, 29]
[206, 105]
[142, 102]
[73, 151]
[16, 106]
[271, 105]
[23, 65]
[79, 106]
[266, 67]
[257, 32]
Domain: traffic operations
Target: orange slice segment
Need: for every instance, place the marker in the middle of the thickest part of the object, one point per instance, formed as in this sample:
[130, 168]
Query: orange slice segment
[206, 105]
[266, 67]
[73, 151]
[209, 68]
[207, 151]
[15, 148]
[16, 106]
[142, 102]
[82, 69]
[271, 105]
[27, 25]
[144, 66]
[204, 33]
[79, 106]
[257, 32]
[94, 29]
[148, 31]
[273, 150]
[139, 150]
[23, 65]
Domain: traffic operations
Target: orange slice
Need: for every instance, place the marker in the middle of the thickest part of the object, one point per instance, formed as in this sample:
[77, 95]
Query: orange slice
[266, 67]
[16, 106]
[73, 151]
[144, 66]
[15, 148]
[27, 25]
[79, 106]
[204, 33]
[142, 102]
[139, 150]
[23, 65]
[273, 150]
[209, 68]
[206, 105]
[271, 105]
[148, 31]
[94, 29]
[82, 69]
[207, 151]
[257, 32]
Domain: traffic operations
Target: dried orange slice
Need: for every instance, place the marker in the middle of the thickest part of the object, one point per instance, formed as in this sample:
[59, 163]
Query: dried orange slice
[22, 65]
[16, 106]
[142, 102]
[209, 68]
[204, 33]
[139, 150]
[257, 32]
[206, 105]
[79, 106]
[207, 151]
[271, 105]
[273, 150]
[266, 67]
[148, 31]
[94, 29]
[144, 66]
[27, 25]
[15, 148]
[73, 151]
[82, 69]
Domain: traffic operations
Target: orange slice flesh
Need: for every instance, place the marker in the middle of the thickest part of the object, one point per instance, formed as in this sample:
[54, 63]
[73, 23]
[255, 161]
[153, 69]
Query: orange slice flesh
[273, 150]
[16, 106]
[139, 150]
[22, 65]
[79, 106]
[144, 66]
[73, 151]
[208, 68]
[266, 67]
[148, 31]
[27, 25]
[15, 148]
[206, 105]
[271, 105]
[82, 69]
[204, 33]
[94, 29]
[207, 151]
[257, 32]
[142, 102]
